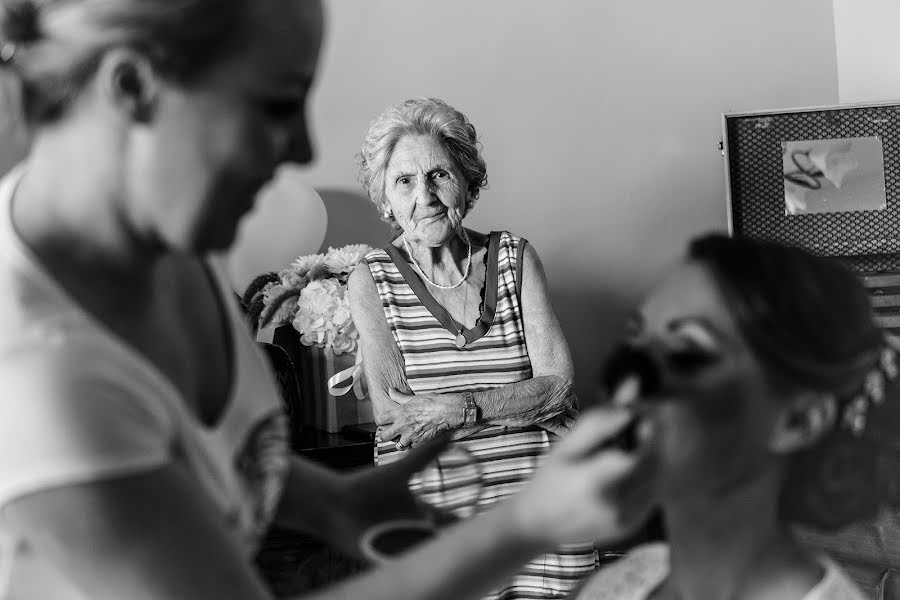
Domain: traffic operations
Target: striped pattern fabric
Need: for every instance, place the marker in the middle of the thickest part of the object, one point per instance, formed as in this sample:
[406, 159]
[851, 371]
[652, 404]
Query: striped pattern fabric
[494, 463]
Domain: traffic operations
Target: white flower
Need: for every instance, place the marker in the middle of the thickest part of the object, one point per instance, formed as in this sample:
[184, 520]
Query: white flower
[292, 278]
[310, 266]
[308, 322]
[341, 316]
[344, 260]
[321, 313]
[343, 344]
[322, 296]
[273, 292]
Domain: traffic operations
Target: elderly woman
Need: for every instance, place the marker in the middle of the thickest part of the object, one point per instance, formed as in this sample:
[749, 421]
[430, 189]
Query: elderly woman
[456, 326]
[769, 410]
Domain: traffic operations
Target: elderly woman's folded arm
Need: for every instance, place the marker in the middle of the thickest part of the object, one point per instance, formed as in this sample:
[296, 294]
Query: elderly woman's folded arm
[382, 361]
[547, 399]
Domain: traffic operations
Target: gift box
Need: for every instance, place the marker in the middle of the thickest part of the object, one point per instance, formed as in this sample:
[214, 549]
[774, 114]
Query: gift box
[328, 390]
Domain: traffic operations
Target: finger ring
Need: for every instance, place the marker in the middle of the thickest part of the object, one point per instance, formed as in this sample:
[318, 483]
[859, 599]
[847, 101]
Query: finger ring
[401, 446]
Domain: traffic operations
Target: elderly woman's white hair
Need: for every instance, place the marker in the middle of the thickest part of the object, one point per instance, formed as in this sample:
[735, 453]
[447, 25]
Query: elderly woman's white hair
[422, 116]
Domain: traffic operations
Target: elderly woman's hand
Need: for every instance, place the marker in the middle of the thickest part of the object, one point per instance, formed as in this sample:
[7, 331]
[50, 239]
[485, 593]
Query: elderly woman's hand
[417, 418]
[562, 423]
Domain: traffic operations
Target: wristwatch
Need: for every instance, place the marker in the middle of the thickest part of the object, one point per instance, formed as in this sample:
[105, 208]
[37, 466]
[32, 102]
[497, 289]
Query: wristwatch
[471, 410]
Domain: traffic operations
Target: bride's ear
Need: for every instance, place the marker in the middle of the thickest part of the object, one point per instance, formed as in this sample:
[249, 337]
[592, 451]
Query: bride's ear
[803, 422]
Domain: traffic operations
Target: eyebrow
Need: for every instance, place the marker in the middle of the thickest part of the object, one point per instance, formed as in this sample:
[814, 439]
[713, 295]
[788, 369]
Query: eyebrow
[400, 174]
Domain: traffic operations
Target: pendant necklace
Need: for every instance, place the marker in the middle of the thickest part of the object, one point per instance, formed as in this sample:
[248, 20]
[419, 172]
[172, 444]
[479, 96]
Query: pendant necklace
[460, 338]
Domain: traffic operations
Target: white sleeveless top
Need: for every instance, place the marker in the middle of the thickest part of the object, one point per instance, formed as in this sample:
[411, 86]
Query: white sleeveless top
[77, 404]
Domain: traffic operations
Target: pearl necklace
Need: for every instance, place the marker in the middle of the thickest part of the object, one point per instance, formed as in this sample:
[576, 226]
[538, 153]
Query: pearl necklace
[428, 279]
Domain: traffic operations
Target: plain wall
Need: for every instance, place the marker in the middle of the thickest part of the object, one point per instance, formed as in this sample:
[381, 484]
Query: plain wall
[868, 50]
[600, 122]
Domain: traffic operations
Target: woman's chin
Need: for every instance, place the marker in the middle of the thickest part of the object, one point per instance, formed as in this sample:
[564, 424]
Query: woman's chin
[438, 234]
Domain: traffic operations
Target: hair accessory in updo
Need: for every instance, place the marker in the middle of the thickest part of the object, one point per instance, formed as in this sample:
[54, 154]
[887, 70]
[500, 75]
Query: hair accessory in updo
[855, 415]
[854, 471]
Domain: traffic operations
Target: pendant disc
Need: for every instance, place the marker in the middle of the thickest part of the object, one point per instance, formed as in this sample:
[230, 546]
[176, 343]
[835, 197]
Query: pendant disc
[460, 340]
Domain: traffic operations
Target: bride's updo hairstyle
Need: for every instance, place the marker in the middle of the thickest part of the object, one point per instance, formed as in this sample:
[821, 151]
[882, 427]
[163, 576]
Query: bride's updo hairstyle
[809, 322]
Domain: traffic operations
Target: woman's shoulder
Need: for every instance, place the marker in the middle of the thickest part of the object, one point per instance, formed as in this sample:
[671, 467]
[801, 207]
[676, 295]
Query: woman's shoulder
[506, 242]
[632, 577]
[377, 262]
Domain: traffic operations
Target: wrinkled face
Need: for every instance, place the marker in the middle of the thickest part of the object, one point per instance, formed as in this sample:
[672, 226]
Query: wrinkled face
[425, 190]
[715, 413]
[213, 144]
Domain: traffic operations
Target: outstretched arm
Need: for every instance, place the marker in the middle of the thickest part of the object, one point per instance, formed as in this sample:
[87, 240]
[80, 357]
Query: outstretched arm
[581, 491]
[156, 534]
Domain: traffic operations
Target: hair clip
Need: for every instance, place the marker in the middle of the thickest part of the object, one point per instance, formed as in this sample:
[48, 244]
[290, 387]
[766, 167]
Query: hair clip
[875, 386]
[855, 414]
[889, 362]
[873, 392]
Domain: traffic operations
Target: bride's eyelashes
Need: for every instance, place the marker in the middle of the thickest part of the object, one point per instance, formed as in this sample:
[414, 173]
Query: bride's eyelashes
[691, 360]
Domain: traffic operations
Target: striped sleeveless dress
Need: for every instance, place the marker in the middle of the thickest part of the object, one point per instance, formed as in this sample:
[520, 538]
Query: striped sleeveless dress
[495, 354]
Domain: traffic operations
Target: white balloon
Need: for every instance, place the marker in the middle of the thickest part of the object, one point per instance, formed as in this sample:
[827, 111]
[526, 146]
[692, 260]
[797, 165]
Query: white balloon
[287, 221]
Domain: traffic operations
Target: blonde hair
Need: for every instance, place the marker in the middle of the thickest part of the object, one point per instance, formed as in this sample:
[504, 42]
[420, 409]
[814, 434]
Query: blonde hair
[55, 46]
